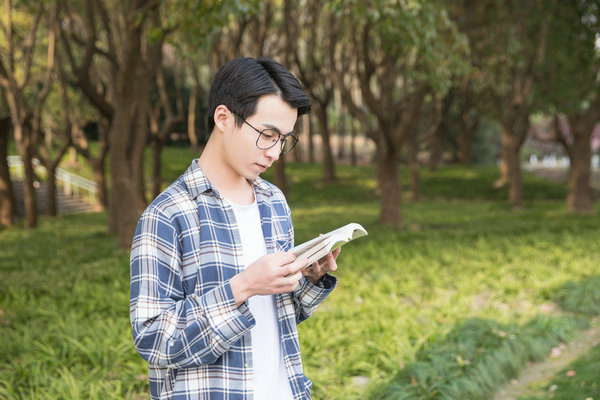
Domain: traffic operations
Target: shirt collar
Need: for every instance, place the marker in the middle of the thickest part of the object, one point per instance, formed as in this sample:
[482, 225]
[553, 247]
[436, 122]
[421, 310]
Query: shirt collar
[197, 183]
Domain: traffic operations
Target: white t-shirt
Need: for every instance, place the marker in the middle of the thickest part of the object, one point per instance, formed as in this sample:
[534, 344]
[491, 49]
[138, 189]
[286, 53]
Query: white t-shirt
[270, 376]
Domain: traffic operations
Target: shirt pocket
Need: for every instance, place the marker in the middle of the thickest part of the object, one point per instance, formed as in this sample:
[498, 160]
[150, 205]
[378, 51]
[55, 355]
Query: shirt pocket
[281, 234]
[283, 245]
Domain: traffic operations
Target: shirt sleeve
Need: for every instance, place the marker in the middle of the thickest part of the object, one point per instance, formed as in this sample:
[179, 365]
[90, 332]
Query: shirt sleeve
[308, 296]
[172, 328]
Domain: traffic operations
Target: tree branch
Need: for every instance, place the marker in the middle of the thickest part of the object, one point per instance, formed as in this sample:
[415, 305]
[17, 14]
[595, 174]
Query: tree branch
[8, 33]
[29, 46]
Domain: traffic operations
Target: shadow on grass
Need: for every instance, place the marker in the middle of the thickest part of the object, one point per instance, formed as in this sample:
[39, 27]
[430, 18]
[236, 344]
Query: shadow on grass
[581, 297]
[479, 355]
[476, 357]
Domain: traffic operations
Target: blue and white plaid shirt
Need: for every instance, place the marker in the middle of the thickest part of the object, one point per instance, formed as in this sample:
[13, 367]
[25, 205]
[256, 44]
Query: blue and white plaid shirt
[185, 323]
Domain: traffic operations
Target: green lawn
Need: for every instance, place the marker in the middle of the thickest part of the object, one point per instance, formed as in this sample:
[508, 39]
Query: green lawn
[449, 307]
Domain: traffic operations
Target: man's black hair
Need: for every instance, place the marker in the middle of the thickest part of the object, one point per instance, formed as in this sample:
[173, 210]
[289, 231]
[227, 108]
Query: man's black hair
[241, 82]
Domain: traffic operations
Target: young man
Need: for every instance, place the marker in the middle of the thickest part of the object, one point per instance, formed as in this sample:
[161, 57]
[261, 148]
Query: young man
[215, 297]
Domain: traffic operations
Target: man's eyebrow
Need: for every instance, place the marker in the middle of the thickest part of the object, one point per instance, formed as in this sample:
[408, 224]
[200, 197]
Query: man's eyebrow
[276, 129]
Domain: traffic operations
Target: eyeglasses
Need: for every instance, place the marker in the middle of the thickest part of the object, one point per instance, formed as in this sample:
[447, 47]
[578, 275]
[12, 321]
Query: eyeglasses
[269, 137]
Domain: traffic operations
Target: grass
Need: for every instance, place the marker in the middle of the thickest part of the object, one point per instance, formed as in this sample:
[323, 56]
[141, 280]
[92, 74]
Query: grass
[64, 313]
[449, 307]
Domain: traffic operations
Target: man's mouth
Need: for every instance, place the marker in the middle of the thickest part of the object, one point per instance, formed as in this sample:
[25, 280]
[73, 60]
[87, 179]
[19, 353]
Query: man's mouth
[262, 167]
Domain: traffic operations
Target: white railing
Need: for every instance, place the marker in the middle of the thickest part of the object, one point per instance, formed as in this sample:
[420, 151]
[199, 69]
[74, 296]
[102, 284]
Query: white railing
[72, 184]
[554, 161]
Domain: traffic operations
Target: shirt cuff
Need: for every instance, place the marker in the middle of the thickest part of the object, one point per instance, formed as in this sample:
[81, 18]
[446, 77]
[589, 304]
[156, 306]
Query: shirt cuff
[327, 282]
[229, 322]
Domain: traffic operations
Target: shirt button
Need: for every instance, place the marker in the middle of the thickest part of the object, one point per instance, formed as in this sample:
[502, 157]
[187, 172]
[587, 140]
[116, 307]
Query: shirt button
[246, 365]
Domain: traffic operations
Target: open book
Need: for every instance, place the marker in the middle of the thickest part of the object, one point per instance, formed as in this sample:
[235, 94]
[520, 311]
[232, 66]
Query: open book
[319, 247]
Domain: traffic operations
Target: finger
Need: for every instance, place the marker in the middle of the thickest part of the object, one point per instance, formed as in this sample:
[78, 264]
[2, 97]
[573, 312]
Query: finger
[291, 281]
[312, 268]
[283, 258]
[331, 262]
[336, 252]
[296, 266]
[295, 277]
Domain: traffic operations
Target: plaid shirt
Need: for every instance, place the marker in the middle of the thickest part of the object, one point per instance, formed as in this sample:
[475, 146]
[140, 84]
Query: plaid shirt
[183, 315]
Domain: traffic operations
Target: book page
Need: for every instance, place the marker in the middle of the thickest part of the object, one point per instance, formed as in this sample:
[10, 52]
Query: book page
[320, 246]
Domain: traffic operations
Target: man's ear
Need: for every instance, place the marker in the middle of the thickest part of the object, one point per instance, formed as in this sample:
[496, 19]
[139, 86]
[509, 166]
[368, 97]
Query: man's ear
[221, 117]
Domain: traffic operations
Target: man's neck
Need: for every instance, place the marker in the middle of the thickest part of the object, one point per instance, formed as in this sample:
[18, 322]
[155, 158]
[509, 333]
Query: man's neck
[232, 186]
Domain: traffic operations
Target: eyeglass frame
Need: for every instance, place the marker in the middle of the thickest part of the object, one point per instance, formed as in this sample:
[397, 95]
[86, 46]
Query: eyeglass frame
[280, 139]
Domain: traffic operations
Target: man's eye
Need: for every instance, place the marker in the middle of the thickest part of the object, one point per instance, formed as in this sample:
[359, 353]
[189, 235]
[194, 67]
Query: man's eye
[270, 135]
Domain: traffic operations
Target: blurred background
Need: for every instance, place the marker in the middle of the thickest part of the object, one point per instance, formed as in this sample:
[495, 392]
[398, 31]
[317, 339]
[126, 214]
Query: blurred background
[464, 135]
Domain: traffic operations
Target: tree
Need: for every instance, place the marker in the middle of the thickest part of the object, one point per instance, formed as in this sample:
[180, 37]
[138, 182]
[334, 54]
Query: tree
[439, 135]
[51, 148]
[402, 55]
[572, 91]
[508, 40]
[26, 80]
[76, 109]
[162, 119]
[250, 28]
[469, 114]
[575, 133]
[8, 203]
[130, 53]
[310, 45]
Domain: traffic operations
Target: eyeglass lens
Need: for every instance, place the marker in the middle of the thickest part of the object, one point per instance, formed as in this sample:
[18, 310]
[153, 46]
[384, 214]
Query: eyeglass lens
[269, 138]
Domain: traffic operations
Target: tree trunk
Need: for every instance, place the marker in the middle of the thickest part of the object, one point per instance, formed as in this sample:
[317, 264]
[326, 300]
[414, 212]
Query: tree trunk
[280, 178]
[341, 136]
[438, 138]
[124, 164]
[157, 146]
[437, 146]
[72, 157]
[341, 128]
[390, 187]
[127, 138]
[413, 162]
[141, 182]
[301, 129]
[504, 171]
[100, 179]
[468, 121]
[311, 141]
[129, 129]
[51, 164]
[580, 198]
[51, 201]
[512, 168]
[463, 151]
[354, 131]
[8, 203]
[191, 120]
[25, 148]
[328, 163]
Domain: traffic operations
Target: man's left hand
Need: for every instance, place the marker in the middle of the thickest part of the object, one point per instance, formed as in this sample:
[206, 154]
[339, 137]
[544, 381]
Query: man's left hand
[321, 267]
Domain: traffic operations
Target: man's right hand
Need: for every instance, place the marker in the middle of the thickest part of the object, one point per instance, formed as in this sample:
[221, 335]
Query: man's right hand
[271, 274]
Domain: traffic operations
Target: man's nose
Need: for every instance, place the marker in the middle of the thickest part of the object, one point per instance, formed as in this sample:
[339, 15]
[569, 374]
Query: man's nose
[274, 152]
